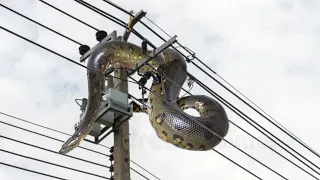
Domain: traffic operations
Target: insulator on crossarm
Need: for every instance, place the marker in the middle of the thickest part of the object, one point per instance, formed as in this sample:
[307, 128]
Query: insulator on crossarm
[111, 149]
[83, 49]
[100, 35]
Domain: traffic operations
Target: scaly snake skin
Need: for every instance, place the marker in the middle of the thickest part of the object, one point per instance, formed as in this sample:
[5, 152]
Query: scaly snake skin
[171, 126]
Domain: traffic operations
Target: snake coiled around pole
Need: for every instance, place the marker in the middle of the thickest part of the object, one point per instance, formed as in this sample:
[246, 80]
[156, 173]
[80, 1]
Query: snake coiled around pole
[171, 126]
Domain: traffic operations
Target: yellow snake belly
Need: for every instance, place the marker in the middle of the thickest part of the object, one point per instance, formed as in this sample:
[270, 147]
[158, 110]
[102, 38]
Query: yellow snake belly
[171, 126]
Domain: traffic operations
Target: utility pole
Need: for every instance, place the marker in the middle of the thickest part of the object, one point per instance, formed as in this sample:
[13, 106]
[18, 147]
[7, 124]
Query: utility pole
[121, 134]
[115, 111]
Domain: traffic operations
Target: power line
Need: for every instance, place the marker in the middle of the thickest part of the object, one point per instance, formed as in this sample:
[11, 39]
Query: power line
[23, 120]
[39, 24]
[144, 168]
[139, 173]
[48, 150]
[32, 42]
[36, 172]
[115, 20]
[49, 137]
[53, 164]
[77, 19]
[247, 119]
[29, 122]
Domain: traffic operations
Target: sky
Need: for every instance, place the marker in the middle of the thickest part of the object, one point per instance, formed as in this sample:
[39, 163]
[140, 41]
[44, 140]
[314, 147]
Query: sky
[267, 49]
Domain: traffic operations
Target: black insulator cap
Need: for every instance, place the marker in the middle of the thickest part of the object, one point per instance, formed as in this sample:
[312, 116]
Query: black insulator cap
[143, 81]
[144, 47]
[111, 157]
[100, 35]
[111, 169]
[83, 49]
[112, 149]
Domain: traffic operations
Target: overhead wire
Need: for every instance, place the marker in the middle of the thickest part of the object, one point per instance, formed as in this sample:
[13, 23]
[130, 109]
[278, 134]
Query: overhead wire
[51, 151]
[49, 137]
[251, 122]
[46, 27]
[63, 12]
[134, 80]
[53, 164]
[23, 120]
[32, 171]
[285, 130]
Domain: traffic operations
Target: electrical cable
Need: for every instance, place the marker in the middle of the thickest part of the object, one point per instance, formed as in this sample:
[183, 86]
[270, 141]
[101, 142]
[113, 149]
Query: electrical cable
[32, 42]
[191, 53]
[77, 19]
[49, 137]
[120, 22]
[139, 173]
[48, 150]
[247, 119]
[145, 170]
[46, 27]
[53, 164]
[23, 120]
[35, 172]
[29, 122]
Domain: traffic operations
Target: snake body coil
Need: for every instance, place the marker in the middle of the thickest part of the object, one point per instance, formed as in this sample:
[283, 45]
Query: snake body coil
[171, 126]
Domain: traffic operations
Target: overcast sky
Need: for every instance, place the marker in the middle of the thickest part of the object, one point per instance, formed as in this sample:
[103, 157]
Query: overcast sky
[268, 49]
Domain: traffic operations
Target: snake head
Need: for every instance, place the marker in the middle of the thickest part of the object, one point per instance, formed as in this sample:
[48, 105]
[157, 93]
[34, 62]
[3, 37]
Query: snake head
[69, 145]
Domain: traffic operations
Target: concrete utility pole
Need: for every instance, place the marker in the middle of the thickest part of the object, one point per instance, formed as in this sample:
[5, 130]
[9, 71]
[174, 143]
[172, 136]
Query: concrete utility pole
[115, 111]
[121, 134]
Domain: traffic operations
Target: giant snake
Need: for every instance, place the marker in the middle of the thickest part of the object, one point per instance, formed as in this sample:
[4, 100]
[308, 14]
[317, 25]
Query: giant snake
[171, 126]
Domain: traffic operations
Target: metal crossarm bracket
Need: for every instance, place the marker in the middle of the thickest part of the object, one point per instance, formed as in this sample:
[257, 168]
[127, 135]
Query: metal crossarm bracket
[152, 55]
[131, 23]
[111, 36]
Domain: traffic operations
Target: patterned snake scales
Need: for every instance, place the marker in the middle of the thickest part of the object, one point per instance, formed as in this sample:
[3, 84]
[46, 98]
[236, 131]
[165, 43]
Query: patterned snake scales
[170, 126]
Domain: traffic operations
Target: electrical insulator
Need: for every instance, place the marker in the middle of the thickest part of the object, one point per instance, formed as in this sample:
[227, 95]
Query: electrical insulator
[111, 157]
[111, 149]
[100, 35]
[83, 49]
[144, 47]
[111, 169]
